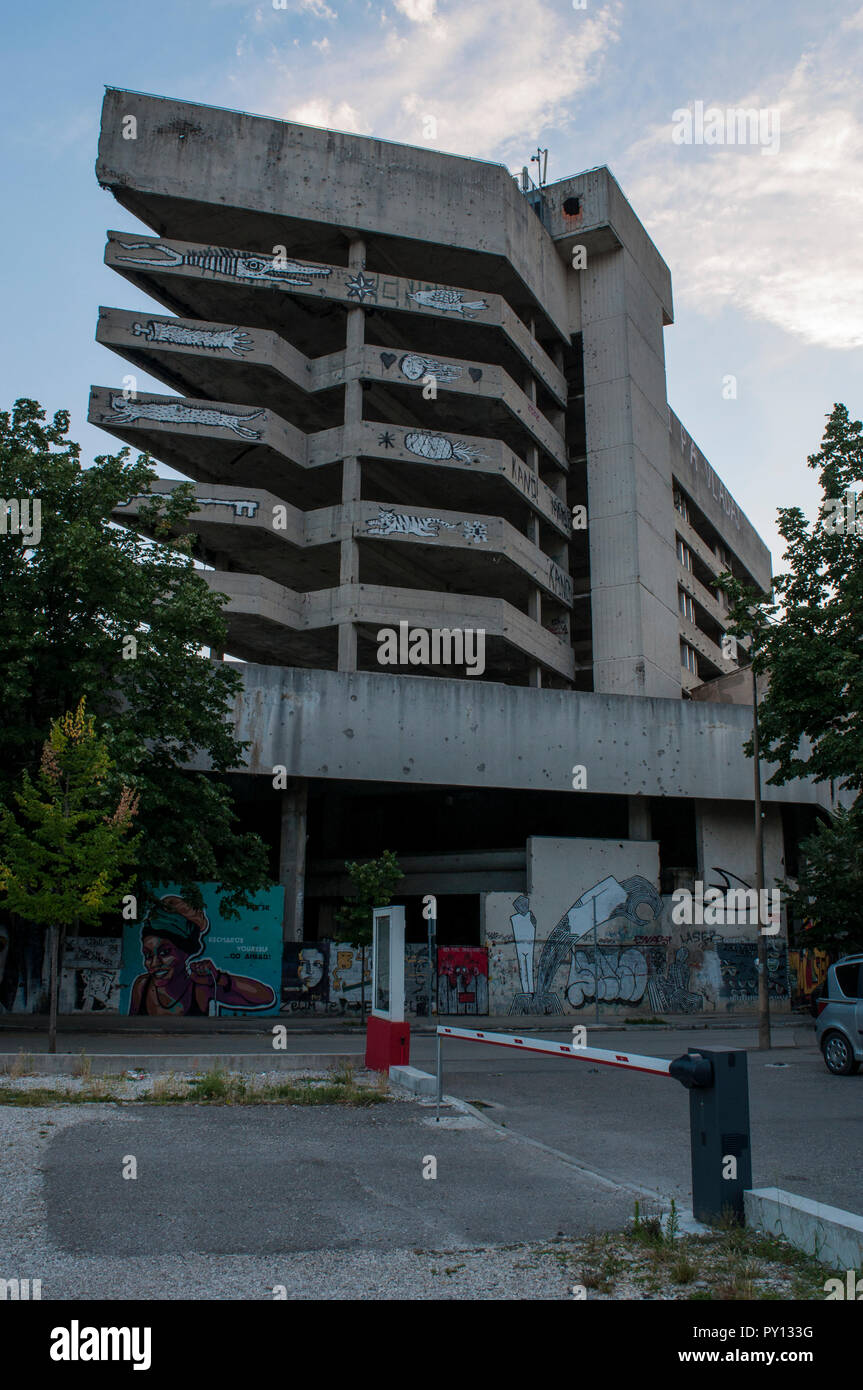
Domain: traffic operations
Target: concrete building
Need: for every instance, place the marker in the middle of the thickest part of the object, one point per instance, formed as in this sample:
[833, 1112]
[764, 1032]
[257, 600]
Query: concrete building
[417, 395]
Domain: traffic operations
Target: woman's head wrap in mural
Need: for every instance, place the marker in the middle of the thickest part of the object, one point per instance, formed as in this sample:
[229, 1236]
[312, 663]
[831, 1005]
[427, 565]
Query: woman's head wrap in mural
[174, 918]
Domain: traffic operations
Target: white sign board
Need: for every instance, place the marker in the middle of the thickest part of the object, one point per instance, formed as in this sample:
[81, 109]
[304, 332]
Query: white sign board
[388, 963]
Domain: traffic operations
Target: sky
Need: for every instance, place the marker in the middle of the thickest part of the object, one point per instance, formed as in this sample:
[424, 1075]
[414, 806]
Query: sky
[764, 240]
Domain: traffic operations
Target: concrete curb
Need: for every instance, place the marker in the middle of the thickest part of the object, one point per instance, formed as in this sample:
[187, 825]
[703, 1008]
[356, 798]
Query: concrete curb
[115, 1063]
[830, 1234]
[414, 1081]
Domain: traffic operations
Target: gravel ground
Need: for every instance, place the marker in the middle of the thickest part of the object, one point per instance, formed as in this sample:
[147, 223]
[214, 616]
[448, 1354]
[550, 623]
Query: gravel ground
[510, 1272]
[612, 1267]
[499, 1273]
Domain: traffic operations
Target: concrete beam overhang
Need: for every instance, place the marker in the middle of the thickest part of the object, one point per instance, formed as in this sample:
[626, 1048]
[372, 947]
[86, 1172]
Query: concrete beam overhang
[155, 264]
[216, 440]
[410, 729]
[258, 534]
[258, 367]
[256, 604]
[605, 221]
[272, 175]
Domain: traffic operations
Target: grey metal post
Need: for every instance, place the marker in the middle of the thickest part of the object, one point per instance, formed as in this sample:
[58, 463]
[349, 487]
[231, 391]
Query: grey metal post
[595, 965]
[439, 1069]
[432, 972]
[718, 1085]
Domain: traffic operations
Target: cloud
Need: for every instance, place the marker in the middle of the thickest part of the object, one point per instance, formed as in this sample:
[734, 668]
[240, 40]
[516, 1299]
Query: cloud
[329, 114]
[777, 236]
[493, 76]
[419, 11]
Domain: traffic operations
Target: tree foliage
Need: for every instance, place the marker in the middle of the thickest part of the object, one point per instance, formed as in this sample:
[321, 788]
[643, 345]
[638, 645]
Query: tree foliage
[374, 884]
[71, 604]
[829, 888]
[808, 640]
[68, 856]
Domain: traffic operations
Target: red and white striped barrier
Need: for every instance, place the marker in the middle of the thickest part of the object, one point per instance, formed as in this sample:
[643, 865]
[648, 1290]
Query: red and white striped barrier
[625, 1061]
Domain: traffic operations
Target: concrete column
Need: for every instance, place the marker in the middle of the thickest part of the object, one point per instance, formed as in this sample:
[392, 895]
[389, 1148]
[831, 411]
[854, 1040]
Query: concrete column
[636, 646]
[351, 470]
[534, 602]
[292, 857]
[639, 818]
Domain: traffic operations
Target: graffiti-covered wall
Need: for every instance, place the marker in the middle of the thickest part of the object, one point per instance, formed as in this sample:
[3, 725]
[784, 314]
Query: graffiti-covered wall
[323, 977]
[593, 925]
[90, 975]
[807, 971]
[23, 969]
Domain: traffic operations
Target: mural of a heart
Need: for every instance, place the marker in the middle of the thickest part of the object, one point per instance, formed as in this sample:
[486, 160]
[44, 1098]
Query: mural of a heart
[388, 358]
[474, 373]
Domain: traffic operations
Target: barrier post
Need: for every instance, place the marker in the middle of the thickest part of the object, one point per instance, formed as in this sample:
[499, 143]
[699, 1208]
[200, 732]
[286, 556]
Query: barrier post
[439, 1070]
[718, 1085]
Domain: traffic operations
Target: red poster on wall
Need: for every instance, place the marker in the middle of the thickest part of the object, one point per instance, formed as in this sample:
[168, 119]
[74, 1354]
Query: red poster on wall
[462, 973]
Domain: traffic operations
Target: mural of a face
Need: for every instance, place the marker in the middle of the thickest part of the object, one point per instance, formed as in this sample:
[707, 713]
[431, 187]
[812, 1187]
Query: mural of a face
[310, 968]
[164, 960]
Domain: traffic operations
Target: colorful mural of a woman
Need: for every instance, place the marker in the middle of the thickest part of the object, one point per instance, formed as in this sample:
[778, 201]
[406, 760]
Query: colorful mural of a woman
[174, 980]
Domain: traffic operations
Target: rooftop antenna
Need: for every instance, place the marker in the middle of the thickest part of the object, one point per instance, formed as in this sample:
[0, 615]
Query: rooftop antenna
[540, 159]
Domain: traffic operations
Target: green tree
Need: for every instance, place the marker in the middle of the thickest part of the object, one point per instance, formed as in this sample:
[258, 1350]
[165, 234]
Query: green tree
[808, 640]
[374, 883]
[67, 856]
[829, 886]
[102, 612]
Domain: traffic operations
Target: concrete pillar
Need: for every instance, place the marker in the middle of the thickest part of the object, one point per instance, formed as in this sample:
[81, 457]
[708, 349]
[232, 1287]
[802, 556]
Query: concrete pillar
[534, 601]
[639, 818]
[351, 470]
[636, 645]
[292, 857]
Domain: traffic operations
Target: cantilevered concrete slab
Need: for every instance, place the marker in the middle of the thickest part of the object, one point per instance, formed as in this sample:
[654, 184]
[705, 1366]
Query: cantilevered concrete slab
[258, 367]
[202, 277]
[261, 613]
[251, 530]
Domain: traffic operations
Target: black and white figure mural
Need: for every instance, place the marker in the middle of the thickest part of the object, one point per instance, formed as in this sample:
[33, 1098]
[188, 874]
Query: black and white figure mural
[448, 302]
[613, 972]
[129, 412]
[388, 523]
[240, 506]
[90, 977]
[413, 367]
[438, 446]
[618, 944]
[361, 287]
[233, 340]
[242, 265]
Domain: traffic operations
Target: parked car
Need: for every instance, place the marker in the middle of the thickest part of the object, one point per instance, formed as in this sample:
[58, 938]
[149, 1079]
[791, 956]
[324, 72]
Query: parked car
[839, 1025]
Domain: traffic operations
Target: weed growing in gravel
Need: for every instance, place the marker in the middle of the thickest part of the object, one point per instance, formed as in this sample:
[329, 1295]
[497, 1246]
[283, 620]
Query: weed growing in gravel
[22, 1065]
[215, 1088]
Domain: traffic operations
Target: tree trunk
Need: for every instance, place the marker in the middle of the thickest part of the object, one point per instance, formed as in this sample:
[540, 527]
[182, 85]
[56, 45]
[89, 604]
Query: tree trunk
[53, 989]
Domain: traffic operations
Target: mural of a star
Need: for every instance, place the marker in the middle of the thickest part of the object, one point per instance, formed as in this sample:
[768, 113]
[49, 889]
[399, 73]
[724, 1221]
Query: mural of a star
[360, 286]
[386, 440]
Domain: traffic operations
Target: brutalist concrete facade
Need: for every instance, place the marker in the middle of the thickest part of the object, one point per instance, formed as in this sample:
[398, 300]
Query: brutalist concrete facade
[409, 392]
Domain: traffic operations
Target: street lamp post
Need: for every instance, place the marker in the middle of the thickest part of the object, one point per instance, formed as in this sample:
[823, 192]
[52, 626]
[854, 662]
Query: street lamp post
[763, 992]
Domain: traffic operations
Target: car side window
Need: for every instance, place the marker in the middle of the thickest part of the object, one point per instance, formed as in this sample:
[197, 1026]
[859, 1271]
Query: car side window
[848, 977]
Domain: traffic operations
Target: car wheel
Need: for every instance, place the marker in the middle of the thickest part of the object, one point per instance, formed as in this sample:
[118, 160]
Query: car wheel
[838, 1055]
